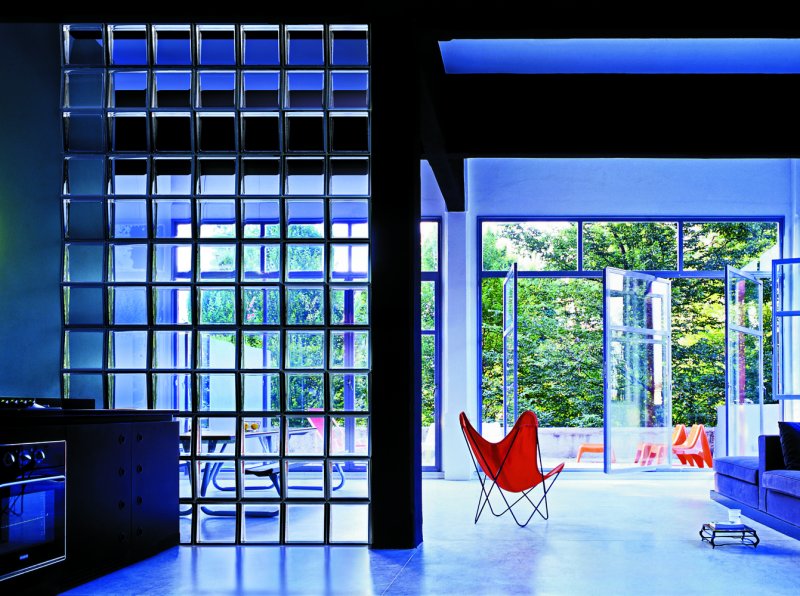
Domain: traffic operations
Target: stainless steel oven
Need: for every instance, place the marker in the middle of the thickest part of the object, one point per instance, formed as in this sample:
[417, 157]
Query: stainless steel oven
[32, 506]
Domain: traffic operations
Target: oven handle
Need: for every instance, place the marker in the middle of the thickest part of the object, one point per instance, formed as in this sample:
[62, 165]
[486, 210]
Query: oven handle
[32, 480]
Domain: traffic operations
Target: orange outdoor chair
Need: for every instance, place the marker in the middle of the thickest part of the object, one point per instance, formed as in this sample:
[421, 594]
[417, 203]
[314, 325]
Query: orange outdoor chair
[649, 453]
[695, 449]
[511, 465]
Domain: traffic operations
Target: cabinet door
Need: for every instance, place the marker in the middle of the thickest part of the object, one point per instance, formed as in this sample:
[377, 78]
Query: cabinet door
[98, 497]
[154, 487]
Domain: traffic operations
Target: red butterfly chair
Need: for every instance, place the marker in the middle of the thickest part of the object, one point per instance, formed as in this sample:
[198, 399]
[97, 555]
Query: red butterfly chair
[510, 465]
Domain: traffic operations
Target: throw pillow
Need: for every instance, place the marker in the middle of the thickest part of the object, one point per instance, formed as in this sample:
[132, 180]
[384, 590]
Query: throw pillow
[790, 444]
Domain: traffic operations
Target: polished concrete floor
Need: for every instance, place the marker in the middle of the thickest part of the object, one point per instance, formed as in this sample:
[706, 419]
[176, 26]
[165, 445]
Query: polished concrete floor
[606, 535]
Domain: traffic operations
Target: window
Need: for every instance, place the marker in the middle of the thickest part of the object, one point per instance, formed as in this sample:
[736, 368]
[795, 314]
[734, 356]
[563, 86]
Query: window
[217, 262]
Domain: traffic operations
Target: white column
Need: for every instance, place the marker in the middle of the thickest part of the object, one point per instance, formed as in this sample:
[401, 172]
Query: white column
[459, 374]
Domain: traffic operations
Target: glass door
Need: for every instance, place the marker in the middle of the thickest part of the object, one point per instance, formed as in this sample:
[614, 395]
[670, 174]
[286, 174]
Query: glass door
[510, 360]
[744, 362]
[637, 379]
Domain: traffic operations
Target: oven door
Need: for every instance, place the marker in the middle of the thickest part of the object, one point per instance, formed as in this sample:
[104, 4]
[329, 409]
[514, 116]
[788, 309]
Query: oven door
[32, 528]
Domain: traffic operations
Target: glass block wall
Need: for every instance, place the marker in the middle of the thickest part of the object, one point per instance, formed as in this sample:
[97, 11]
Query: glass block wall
[217, 262]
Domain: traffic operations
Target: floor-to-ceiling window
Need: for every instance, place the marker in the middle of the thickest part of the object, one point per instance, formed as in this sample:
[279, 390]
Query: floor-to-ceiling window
[560, 314]
[430, 326]
[217, 262]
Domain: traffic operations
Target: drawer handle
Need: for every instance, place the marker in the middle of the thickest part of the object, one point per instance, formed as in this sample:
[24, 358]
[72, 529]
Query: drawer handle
[121, 504]
[121, 471]
[139, 468]
[121, 439]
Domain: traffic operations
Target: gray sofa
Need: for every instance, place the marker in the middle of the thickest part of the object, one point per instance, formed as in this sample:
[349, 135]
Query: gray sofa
[761, 486]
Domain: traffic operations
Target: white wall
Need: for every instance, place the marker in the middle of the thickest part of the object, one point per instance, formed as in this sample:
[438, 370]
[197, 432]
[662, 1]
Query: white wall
[570, 187]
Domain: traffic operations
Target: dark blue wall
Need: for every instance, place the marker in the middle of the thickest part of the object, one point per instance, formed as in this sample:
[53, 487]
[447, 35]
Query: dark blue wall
[30, 220]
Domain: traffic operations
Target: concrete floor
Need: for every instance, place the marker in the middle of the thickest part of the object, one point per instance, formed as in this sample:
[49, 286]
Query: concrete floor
[606, 535]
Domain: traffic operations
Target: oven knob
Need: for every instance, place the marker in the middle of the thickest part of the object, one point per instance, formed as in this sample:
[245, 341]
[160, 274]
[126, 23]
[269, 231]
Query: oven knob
[9, 459]
[39, 456]
[25, 459]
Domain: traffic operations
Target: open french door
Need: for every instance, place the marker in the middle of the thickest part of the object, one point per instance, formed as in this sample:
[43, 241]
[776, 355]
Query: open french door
[637, 379]
[744, 362]
[510, 359]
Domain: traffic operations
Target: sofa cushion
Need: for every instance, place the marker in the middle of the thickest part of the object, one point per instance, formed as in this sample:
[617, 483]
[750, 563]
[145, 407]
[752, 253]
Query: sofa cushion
[790, 444]
[741, 467]
[738, 490]
[782, 481]
[784, 507]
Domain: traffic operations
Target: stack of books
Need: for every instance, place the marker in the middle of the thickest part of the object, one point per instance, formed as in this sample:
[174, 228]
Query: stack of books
[727, 526]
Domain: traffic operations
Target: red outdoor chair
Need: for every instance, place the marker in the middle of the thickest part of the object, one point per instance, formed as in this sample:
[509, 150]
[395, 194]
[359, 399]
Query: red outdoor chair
[511, 465]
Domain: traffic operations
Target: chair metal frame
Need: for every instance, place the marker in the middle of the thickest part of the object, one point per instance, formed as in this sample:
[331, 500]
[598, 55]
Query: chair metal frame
[485, 494]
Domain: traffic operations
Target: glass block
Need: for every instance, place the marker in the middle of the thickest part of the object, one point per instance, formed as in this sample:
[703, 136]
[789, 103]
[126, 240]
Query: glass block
[349, 435]
[217, 262]
[172, 176]
[262, 434]
[349, 176]
[349, 131]
[349, 305]
[85, 220]
[127, 218]
[261, 305]
[172, 89]
[216, 89]
[217, 306]
[304, 435]
[127, 262]
[172, 349]
[217, 429]
[127, 391]
[172, 218]
[349, 391]
[305, 262]
[349, 349]
[254, 530]
[349, 262]
[305, 479]
[261, 132]
[173, 45]
[84, 176]
[187, 438]
[305, 305]
[172, 131]
[217, 45]
[305, 176]
[172, 262]
[261, 262]
[216, 349]
[172, 305]
[216, 218]
[305, 392]
[261, 177]
[223, 472]
[305, 45]
[305, 132]
[349, 45]
[127, 349]
[305, 349]
[83, 89]
[83, 44]
[172, 391]
[83, 350]
[209, 531]
[128, 131]
[216, 176]
[349, 90]
[349, 219]
[261, 349]
[128, 89]
[261, 45]
[261, 218]
[305, 218]
[261, 89]
[127, 305]
[357, 486]
[83, 306]
[188, 512]
[349, 523]
[84, 132]
[85, 386]
[261, 392]
[83, 262]
[128, 44]
[128, 176]
[216, 131]
[305, 90]
[305, 523]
